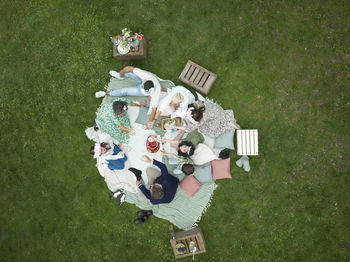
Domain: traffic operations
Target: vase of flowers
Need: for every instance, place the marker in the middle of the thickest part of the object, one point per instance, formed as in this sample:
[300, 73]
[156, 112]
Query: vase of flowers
[126, 41]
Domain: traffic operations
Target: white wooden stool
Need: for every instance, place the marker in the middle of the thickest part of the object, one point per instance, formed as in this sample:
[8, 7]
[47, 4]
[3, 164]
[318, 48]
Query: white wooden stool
[247, 142]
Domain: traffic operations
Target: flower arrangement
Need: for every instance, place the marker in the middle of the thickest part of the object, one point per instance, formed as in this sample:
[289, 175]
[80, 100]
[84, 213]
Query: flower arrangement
[127, 40]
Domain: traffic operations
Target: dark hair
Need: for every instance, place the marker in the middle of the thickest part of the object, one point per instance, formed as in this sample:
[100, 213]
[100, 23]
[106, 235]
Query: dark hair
[92, 150]
[197, 112]
[118, 107]
[148, 84]
[106, 146]
[187, 169]
[186, 143]
[157, 192]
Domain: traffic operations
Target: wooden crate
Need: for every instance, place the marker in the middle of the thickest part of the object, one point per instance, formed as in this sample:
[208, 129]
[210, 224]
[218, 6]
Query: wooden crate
[247, 142]
[139, 53]
[198, 77]
[186, 237]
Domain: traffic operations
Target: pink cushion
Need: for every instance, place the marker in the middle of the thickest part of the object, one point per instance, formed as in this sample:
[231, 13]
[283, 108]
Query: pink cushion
[190, 185]
[221, 168]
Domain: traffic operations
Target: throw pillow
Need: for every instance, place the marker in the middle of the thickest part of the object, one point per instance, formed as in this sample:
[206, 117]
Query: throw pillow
[142, 118]
[225, 140]
[190, 185]
[221, 168]
[203, 174]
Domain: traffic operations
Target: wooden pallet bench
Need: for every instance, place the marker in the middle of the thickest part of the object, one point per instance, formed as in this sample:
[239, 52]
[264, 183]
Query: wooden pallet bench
[185, 237]
[198, 77]
[247, 142]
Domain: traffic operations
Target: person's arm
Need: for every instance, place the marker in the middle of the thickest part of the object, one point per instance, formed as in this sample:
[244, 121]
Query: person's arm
[181, 111]
[146, 192]
[115, 157]
[162, 167]
[168, 154]
[127, 69]
[125, 129]
[175, 142]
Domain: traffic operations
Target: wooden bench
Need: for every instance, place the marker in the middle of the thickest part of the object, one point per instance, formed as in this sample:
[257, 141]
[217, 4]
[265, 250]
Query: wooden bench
[198, 77]
[185, 238]
[247, 142]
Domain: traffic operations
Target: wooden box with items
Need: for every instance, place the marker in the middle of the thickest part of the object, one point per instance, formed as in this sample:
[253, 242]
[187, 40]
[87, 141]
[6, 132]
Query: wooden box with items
[187, 243]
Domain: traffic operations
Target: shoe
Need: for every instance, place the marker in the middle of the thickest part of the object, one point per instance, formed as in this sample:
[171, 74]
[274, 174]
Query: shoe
[243, 162]
[100, 94]
[246, 166]
[140, 220]
[115, 194]
[200, 97]
[121, 199]
[115, 74]
[136, 172]
[143, 213]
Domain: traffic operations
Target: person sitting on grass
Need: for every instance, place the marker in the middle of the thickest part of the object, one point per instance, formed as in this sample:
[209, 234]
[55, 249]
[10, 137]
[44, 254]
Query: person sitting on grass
[109, 154]
[163, 187]
[112, 118]
[147, 85]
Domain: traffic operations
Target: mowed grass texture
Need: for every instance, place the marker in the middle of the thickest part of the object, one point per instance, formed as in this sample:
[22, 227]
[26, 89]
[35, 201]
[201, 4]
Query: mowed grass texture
[282, 66]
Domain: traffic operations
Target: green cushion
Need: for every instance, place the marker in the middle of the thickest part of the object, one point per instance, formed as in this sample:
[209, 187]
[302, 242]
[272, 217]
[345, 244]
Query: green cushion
[195, 137]
[225, 140]
[142, 118]
[203, 174]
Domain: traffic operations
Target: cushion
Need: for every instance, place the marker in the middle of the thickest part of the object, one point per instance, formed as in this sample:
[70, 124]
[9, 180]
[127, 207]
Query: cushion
[190, 185]
[202, 155]
[203, 174]
[142, 118]
[221, 168]
[225, 140]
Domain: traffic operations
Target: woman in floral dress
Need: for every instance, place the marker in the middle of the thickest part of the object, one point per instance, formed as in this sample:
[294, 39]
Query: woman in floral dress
[210, 119]
[113, 119]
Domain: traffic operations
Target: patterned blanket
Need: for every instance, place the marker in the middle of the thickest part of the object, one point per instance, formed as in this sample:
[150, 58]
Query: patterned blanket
[184, 211]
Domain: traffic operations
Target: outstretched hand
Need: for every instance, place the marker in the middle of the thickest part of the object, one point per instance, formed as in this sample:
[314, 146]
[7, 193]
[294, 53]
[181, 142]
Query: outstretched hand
[146, 159]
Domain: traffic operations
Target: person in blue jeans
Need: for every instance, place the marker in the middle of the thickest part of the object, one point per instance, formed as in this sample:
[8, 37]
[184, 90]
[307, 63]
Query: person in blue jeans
[164, 187]
[147, 85]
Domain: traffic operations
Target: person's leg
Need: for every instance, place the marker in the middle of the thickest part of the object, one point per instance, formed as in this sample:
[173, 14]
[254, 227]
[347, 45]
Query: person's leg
[135, 77]
[128, 91]
[152, 174]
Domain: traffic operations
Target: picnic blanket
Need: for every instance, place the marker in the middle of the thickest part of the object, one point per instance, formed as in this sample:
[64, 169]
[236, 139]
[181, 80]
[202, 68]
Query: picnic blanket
[184, 211]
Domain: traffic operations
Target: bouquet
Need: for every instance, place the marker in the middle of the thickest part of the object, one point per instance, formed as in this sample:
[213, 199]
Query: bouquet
[127, 40]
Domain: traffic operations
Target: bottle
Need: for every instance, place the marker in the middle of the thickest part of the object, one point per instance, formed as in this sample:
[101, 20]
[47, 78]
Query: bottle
[114, 41]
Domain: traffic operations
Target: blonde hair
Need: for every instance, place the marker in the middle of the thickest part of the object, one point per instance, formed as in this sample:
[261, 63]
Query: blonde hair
[177, 98]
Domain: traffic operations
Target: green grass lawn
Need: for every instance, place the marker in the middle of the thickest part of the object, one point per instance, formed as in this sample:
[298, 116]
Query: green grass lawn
[282, 66]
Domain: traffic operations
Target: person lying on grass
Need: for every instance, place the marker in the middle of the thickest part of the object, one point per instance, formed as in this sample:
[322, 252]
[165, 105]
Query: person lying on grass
[112, 118]
[162, 187]
[147, 85]
[109, 154]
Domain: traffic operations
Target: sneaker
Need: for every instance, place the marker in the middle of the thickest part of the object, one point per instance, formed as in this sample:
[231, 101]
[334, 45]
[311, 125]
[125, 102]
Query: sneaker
[115, 194]
[121, 199]
[100, 94]
[200, 97]
[115, 74]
